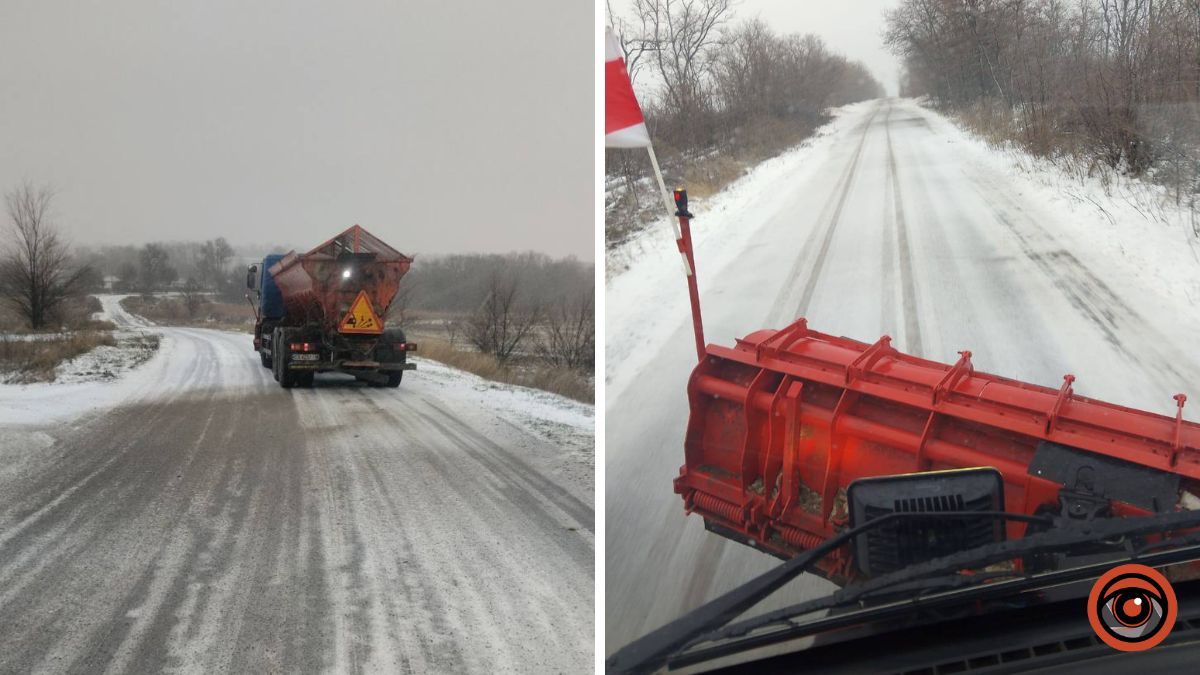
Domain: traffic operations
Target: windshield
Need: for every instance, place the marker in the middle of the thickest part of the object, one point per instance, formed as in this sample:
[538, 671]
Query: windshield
[1006, 191]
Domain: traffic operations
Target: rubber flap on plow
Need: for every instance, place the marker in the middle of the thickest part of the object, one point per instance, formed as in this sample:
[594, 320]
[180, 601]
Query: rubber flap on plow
[785, 420]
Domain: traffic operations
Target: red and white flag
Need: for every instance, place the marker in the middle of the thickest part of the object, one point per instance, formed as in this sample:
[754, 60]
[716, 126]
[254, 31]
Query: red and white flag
[624, 126]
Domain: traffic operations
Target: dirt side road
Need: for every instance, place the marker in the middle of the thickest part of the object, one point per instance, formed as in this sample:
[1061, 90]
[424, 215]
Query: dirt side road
[214, 522]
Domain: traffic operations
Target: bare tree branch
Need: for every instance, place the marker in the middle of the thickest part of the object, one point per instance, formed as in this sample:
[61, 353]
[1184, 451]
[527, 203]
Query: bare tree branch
[36, 271]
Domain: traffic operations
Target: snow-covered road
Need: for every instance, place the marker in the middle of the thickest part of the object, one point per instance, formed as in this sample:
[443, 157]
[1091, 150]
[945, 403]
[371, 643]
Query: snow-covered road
[193, 515]
[891, 222]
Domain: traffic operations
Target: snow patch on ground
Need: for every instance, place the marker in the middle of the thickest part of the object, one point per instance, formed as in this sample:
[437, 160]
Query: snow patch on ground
[93, 381]
[134, 346]
[109, 362]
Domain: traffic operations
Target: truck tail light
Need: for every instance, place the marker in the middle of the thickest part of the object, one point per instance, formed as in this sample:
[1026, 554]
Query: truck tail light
[404, 346]
[303, 346]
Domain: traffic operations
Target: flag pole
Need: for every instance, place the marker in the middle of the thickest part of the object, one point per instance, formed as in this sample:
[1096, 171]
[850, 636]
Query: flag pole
[662, 187]
[666, 196]
[625, 115]
[685, 249]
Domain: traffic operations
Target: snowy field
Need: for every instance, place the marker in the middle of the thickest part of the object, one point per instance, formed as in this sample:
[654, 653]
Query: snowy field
[891, 220]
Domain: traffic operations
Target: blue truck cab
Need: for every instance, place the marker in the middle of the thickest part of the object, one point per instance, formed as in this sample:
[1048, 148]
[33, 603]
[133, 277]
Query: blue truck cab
[267, 300]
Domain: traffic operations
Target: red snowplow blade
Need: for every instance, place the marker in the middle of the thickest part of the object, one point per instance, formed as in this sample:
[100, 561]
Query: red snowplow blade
[785, 420]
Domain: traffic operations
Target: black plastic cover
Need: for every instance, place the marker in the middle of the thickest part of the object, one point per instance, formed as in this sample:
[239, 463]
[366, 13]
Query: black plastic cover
[913, 540]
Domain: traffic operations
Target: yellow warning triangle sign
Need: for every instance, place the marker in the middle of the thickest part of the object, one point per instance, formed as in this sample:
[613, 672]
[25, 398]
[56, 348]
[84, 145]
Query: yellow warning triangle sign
[361, 318]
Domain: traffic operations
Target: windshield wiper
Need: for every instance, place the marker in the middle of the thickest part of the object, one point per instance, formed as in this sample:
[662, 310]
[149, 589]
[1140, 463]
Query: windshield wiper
[963, 589]
[649, 651]
[652, 650]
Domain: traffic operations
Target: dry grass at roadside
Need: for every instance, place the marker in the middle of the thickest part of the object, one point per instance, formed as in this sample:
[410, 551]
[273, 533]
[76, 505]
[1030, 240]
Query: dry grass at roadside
[172, 311]
[35, 360]
[563, 381]
[73, 315]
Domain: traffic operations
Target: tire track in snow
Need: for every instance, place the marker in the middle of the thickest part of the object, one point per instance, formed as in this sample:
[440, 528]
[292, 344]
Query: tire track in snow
[969, 273]
[488, 593]
[523, 474]
[780, 313]
[1095, 300]
[912, 325]
[838, 198]
[888, 264]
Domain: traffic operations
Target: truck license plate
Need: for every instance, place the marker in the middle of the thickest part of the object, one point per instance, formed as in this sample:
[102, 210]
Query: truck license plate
[306, 357]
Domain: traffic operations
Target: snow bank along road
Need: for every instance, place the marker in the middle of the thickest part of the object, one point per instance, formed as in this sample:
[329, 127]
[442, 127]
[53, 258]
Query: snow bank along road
[194, 516]
[894, 222]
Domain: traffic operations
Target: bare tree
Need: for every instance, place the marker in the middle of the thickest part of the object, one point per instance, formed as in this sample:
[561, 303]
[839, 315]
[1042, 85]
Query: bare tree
[725, 96]
[635, 42]
[1108, 85]
[192, 294]
[127, 277]
[402, 303]
[36, 272]
[501, 323]
[570, 334]
[156, 267]
[453, 328]
[213, 258]
[680, 35]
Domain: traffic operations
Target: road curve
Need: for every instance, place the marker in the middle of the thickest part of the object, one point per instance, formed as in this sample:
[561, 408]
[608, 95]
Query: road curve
[214, 522]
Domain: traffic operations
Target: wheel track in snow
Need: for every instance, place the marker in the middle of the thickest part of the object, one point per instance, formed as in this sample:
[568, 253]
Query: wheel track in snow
[1088, 293]
[908, 305]
[839, 197]
[831, 215]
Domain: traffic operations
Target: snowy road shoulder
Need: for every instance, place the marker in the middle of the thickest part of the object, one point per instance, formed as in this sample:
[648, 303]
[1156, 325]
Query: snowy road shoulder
[1129, 228]
[564, 424]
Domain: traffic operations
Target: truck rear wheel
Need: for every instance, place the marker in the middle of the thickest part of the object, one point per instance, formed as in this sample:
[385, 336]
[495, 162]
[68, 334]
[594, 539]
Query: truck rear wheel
[394, 379]
[275, 339]
[279, 350]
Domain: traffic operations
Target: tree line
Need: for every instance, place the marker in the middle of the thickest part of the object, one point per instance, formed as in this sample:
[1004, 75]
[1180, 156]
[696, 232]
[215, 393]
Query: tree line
[1115, 83]
[503, 303]
[718, 95]
[496, 302]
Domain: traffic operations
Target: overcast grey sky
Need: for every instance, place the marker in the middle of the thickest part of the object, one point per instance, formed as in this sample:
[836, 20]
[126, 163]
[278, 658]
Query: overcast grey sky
[440, 126]
[853, 28]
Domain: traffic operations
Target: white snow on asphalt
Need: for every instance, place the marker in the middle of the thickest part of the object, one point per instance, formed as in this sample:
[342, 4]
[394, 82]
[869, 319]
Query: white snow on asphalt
[108, 376]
